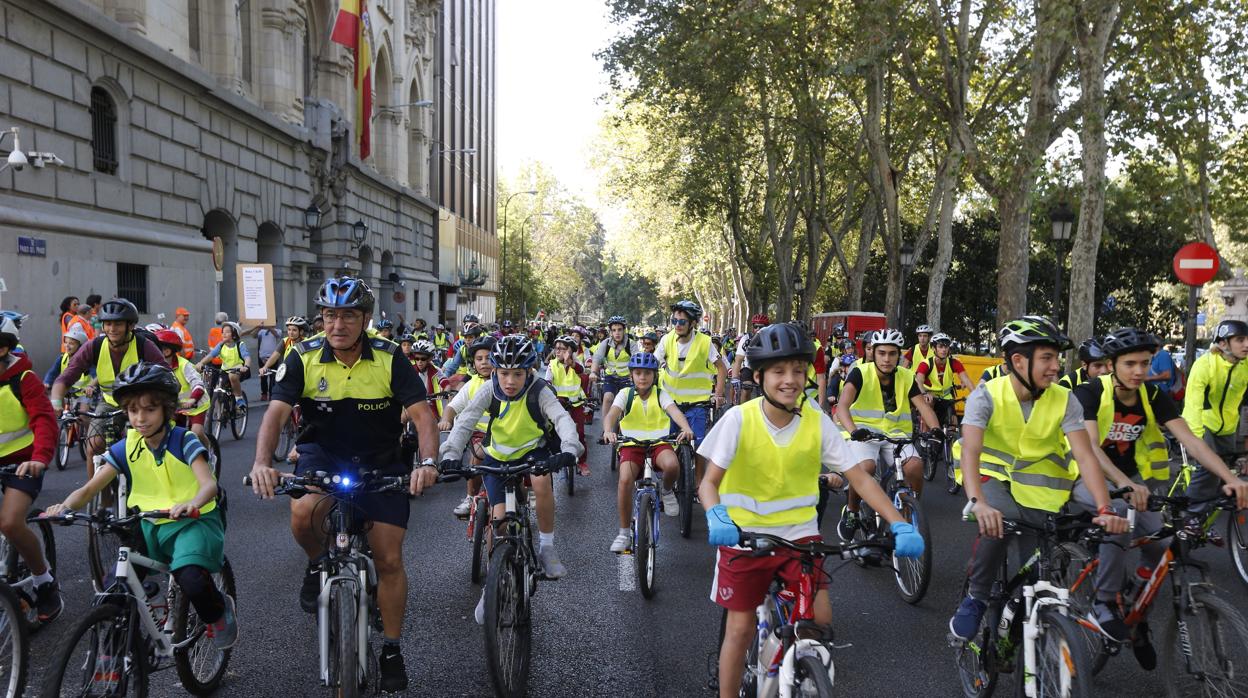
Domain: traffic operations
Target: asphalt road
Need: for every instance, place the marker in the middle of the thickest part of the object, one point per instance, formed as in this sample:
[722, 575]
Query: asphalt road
[594, 636]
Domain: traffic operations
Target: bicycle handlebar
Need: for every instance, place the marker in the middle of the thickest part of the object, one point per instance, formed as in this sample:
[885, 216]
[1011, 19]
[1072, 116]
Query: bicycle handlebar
[104, 518]
[336, 483]
[765, 542]
[528, 466]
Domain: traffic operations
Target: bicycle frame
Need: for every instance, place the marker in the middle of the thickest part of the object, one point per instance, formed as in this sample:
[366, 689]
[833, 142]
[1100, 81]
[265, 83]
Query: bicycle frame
[345, 564]
[647, 484]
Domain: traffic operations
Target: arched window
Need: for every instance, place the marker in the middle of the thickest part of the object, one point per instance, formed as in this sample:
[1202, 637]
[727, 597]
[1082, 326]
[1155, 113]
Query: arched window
[103, 131]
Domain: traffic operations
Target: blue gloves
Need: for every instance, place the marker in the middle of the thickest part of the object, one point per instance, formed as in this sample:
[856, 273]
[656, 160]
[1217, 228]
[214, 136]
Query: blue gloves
[906, 541]
[722, 531]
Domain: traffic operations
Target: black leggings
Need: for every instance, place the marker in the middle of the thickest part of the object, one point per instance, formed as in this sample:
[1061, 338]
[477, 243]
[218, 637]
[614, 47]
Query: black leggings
[197, 584]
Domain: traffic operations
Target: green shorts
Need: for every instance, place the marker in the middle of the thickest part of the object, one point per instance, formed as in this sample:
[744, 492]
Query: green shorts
[187, 542]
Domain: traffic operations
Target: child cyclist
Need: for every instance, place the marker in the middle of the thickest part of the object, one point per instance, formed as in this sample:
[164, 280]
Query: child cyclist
[521, 407]
[565, 375]
[167, 469]
[763, 463]
[193, 401]
[480, 352]
[645, 412]
[233, 354]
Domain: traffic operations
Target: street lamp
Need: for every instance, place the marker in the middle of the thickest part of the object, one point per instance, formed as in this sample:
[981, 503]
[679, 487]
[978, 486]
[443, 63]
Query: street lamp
[396, 107]
[311, 219]
[359, 233]
[1063, 219]
[524, 271]
[907, 264]
[798, 287]
[503, 284]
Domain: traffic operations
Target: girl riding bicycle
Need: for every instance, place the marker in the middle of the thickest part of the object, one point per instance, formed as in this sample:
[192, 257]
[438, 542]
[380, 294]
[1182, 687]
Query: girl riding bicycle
[233, 354]
[193, 399]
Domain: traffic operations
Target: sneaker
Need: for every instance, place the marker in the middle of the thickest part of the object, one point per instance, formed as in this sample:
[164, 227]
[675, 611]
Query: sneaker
[393, 673]
[479, 613]
[549, 560]
[224, 632]
[848, 524]
[671, 506]
[48, 601]
[1109, 621]
[1142, 648]
[965, 621]
[582, 468]
[310, 592]
[240, 402]
[461, 510]
[622, 543]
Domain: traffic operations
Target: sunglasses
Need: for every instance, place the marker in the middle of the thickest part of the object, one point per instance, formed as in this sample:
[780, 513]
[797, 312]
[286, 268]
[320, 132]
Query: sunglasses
[679, 322]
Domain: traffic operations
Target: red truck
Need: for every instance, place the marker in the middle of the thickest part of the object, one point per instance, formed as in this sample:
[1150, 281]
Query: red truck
[853, 322]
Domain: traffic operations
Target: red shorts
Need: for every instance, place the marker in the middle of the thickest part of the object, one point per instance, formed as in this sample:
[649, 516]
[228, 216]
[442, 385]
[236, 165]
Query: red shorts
[741, 581]
[637, 454]
[188, 420]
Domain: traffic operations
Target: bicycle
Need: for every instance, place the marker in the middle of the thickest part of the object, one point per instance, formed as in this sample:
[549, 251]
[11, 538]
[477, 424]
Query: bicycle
[1032, 608]
[130, 631]
[1236, 522]
[14, 645]
[511, 579]
[913, 575]
[934, 458]
[1206, 636]
[14, 572]
[348, 619]
[225, 405]
[792, 654]
[647, 509]
[478, 534]
[289, 434]
[569, 473]
[69, 432]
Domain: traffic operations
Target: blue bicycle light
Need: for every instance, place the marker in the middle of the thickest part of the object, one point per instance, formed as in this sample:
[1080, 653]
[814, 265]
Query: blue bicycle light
[346, 481]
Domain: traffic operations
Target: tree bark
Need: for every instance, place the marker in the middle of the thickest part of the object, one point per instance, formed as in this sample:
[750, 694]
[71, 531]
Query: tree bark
[866, 236]
[946, 188]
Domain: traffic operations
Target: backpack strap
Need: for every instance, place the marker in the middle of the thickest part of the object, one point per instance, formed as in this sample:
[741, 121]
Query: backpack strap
[628, 402]
[15, 385]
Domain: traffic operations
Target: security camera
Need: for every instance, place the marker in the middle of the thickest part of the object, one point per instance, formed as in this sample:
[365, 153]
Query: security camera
[17, 160]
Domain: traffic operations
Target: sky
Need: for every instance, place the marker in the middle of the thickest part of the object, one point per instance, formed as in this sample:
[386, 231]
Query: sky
[549, 85]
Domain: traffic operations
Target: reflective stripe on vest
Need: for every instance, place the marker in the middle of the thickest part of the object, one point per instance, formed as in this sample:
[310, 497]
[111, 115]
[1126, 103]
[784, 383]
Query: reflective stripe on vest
[104, 366]
[616, 360]
[693, 377]
[646, 419]
[155, 486]
[1152, 460]
[15, 432]
[771, 485]
[868, 407]
[566, 382]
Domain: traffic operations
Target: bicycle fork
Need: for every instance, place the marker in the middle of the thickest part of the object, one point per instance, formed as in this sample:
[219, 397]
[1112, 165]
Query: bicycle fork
[1036, 597]
[358, 584]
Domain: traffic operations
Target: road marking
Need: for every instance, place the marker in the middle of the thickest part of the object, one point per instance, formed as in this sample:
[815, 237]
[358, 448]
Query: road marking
[1195, 263]
[628, 573]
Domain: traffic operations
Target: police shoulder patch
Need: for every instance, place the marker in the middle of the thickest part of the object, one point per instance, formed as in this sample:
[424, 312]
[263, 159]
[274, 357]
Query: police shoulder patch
[309, 345]
[385, 345]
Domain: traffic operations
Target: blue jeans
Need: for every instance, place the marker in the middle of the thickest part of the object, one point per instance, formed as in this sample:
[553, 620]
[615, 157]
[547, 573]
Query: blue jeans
[494, 484]
[696, 417]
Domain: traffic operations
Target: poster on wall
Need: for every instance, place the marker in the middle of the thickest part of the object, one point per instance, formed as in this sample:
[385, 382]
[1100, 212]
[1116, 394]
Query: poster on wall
[255, 295]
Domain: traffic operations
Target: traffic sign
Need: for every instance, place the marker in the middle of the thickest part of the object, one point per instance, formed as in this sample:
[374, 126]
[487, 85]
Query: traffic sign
[1196, 263]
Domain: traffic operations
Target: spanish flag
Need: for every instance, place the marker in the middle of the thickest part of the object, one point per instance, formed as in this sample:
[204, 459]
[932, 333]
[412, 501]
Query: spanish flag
[353, 29]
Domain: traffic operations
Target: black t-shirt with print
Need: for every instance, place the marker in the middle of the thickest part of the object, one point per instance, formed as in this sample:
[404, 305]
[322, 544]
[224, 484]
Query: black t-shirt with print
[1129, 421]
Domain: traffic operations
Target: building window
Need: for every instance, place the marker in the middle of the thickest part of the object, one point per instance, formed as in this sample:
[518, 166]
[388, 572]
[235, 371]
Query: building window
[132, 284]
[244, 18]
[103, 131]
[431, 300]
[192, 26]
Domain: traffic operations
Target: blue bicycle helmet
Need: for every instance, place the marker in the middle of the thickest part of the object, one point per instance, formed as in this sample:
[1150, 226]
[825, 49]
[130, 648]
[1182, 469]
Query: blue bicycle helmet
[643, 359]
[345, 292]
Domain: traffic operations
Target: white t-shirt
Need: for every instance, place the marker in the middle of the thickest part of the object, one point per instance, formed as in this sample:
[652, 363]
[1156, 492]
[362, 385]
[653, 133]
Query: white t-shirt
[621, 401]
[720, 447]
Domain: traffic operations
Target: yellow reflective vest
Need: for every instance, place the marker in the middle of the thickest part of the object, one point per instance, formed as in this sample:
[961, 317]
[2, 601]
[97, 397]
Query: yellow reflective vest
[566, 382]
[15, 431]
[154, 486]
[104, 374]
[514, 431]
[691, 379]
[1215, 391]
[768, 484]
[1151, 456]
[644, 418]
[868, 408]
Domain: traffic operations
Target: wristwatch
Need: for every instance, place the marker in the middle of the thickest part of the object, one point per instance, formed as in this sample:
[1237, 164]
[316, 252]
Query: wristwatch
[427, 463]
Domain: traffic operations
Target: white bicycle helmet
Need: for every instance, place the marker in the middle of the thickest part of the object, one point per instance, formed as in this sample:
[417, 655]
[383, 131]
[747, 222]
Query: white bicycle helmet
[422, 346]
[887, 336]
[924, 329]
[76, 333]
[940, 337]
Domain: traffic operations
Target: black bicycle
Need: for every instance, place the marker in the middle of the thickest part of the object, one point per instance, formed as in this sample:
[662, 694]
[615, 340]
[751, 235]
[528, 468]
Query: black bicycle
[226, 407]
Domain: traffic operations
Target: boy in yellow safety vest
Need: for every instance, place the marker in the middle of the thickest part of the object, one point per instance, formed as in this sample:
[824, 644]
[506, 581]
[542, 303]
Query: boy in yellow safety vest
[567, 376]
[1126, 415]
[764, 459]
[1216, 387]
[1015, 461]
[643, 411]
[167, 471]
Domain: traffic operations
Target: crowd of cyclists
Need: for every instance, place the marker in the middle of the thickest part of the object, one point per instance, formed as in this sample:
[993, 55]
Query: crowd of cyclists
[775, 417]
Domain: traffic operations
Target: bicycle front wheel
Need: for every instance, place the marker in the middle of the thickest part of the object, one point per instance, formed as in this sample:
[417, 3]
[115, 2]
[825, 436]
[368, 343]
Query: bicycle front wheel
[977, 660]
[811, 677]
[1215, 634]
[480, 515]
[1237, 542]
[200, 664]
[1062, 667]
[508, 631]
[14, 648]
[914, 574]
[643, 543]
[216, 415]
[569, 474]
[100, 656]
[63, 444]
[344, 642]
[238, 422]
[102, 546]
[686, 487]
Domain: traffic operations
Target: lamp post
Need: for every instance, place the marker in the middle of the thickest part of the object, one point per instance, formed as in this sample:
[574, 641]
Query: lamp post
[311, 220]
[359, 233]
[524, 254]
[907, 264]
[798, 287]
[1063, 219]
[506, 306]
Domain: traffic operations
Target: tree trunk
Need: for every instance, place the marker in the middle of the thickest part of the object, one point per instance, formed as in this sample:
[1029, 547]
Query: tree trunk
[947, 187]
[866, 236]
[1094, 25]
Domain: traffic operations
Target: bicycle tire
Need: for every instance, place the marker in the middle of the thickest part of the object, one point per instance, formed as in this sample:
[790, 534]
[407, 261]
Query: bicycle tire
[811, 677]
[1216, 630]
[62, 446]
[188, 659]
[687, 488]
[344, 641]
[929, 464]
[14, 645]
[615, 460]
[508, 630]
[238, 420]
[1063, 669]
[643, 544]
[914, 575]
[81, 442]
[1237, 542]
[102, 546]
[216, 415]
[118, 627]
[481, 513]
[569, 474]
[285, 440]
[1075, 569]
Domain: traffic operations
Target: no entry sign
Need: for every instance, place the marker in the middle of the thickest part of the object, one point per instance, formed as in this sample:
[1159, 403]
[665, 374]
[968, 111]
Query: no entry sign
[1196, 263]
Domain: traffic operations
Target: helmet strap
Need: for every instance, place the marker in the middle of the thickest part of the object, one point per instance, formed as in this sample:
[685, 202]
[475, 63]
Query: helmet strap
[795, 411]
[1025, 380]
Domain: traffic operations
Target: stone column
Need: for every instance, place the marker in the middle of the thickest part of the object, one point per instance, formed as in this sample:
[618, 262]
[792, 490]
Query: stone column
[276, 72]
[220, 46]
[131, 14]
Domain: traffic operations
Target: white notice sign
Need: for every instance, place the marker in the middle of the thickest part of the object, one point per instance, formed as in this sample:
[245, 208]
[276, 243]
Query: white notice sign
[255, 294]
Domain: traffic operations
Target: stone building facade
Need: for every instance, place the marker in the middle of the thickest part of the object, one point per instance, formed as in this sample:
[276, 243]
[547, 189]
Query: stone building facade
[188, 124]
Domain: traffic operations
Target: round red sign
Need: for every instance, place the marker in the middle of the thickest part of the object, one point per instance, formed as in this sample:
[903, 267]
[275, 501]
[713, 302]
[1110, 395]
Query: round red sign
[1196, 263]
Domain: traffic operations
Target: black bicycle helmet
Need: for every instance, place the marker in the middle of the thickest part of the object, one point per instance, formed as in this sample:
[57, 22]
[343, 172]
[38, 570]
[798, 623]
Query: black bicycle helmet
[119, 309]
[472, 330]
[1125, 340]
[616, 320]
[146, 375]
[1090, 351]
[1231, 328]
[486, 343]
[470, 318]
[385, 325]
[774, 343]
[345, 292]
[514, 351]
[1033, 330]
[690, 308]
